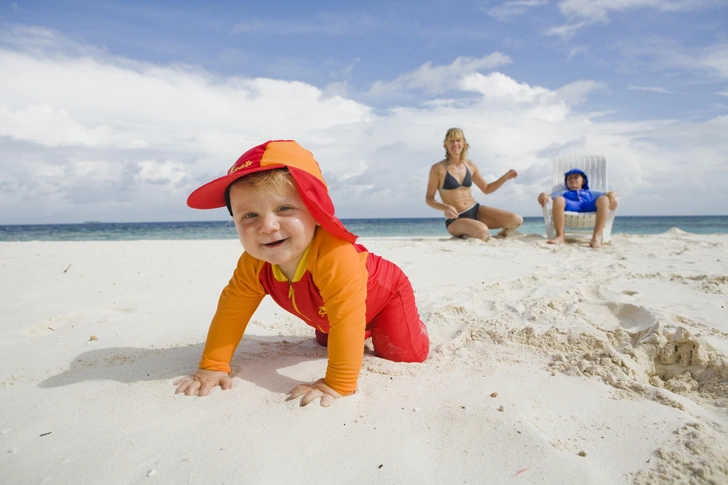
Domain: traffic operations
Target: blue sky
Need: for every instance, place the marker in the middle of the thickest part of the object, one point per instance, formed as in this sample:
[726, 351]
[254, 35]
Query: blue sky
[115, 111]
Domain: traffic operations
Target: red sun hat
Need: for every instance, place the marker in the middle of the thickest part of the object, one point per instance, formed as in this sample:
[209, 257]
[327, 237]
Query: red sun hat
[271, 155]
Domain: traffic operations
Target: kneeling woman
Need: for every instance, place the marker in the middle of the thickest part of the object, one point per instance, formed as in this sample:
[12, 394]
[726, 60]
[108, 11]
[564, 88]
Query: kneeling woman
[452, 177]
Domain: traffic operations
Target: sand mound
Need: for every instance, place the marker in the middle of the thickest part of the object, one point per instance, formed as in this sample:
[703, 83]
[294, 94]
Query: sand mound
[697, 455]
[644, 361]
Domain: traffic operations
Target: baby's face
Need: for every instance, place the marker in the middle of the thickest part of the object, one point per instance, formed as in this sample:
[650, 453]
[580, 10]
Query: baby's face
[574, 182]
[272, 228]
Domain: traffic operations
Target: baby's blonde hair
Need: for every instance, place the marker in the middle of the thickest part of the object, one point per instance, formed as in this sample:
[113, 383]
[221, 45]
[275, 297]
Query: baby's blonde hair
[456, 133]
[277, 181]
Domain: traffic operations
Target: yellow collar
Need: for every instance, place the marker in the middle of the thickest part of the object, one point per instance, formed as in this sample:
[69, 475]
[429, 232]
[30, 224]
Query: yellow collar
[300, 269]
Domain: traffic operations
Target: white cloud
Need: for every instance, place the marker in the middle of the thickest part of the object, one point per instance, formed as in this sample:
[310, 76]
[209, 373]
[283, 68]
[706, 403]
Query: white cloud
[514, 8]
[329, 24]
[39, 41]
[161, 173]
[50, 126]
[247, 27]
[438, 79]
[566, 31]
[653, 89]
[577, 92]
[117, 126]
[598, 10]
[716, 58]
[55, 101]
[86, 137]
[497, 86]
[500, 89]
[708, 62]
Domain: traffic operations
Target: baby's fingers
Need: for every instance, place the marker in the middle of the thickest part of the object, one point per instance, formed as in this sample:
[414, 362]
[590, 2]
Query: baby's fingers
[311, 395]
[206, 387]
[297, 391]
[182, 384]
[326, 400]
[193, 388]
[310, 392]
[226, 383]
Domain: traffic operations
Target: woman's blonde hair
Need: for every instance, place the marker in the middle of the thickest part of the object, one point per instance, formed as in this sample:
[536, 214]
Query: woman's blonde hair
[456, 133]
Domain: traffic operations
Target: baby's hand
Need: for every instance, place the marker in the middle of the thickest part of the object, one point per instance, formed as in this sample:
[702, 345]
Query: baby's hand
[313, 391]
[201, 382]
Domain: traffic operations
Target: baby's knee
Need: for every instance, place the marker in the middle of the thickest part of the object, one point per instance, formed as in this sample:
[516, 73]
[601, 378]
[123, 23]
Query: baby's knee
[517, 220]
[559, 201]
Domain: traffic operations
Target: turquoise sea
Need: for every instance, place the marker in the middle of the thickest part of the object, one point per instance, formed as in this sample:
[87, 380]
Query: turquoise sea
[415, 227]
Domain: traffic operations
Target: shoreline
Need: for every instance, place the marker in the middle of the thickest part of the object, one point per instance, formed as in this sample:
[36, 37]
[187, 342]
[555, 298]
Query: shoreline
[524, 237]
[379, 228]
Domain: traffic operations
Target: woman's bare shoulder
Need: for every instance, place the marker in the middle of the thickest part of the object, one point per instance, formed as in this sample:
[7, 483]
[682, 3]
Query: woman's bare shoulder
[439, 166]
[471, 165]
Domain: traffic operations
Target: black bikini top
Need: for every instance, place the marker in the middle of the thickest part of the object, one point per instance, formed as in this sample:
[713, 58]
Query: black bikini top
[451, 183]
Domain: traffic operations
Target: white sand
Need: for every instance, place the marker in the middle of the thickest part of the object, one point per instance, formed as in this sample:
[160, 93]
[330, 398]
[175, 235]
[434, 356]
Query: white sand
[610, 366]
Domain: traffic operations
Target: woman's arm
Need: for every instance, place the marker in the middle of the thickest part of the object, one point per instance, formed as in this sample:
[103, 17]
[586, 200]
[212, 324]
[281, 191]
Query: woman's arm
[489, 188]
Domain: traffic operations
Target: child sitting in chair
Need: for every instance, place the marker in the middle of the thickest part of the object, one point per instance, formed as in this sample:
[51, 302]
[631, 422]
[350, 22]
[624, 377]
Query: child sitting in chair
[578, 198]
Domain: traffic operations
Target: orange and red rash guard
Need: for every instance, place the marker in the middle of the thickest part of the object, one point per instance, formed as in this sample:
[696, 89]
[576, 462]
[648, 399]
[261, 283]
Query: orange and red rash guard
[338, 287]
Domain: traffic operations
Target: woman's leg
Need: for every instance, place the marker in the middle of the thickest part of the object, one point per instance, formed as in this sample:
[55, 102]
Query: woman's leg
[468, 228]
[498, 218]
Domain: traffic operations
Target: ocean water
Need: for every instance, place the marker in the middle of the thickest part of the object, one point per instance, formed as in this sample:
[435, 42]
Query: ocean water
[415, 227]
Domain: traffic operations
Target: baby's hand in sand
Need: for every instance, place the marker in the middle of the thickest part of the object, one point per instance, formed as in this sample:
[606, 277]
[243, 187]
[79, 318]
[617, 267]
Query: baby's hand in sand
[313, 391]
[202, 382]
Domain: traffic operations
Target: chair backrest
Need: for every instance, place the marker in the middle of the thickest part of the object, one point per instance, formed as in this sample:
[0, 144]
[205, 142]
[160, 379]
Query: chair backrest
[594, 166]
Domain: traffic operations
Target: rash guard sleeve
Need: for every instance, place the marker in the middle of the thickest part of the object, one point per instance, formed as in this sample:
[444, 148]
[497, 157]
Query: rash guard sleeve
[341, 275]
[237, 303]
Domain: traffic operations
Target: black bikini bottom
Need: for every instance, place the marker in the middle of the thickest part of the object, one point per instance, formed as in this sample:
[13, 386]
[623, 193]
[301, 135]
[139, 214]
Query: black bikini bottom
[471, 213]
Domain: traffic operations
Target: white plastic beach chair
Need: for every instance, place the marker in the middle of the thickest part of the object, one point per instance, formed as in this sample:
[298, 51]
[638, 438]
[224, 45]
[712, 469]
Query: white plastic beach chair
[579, 224]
